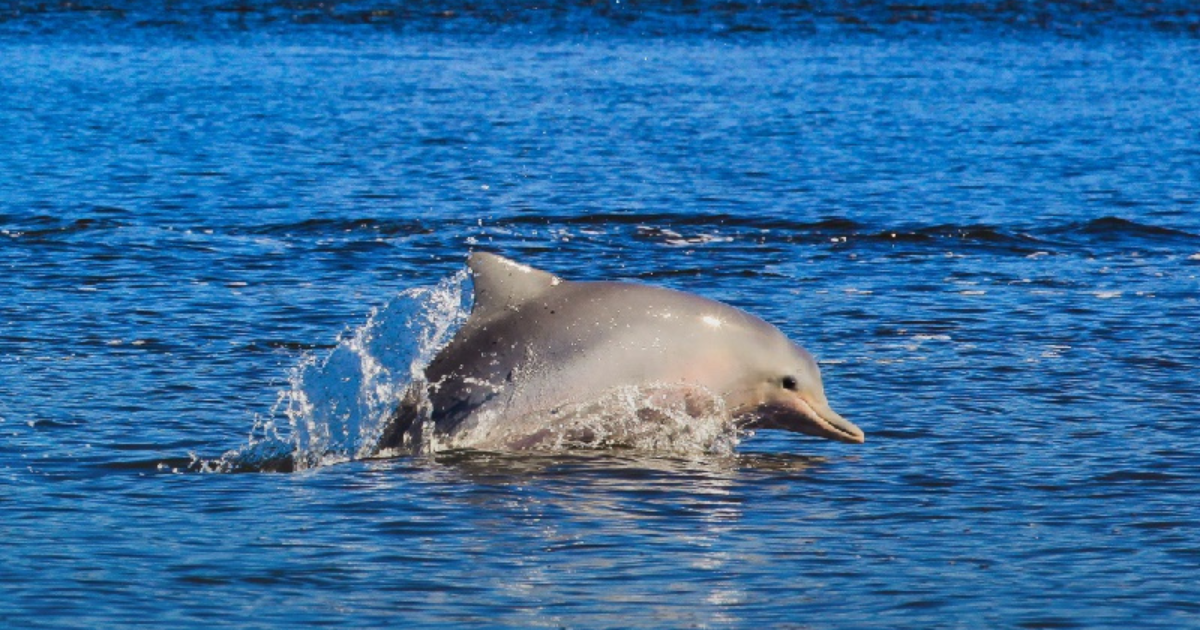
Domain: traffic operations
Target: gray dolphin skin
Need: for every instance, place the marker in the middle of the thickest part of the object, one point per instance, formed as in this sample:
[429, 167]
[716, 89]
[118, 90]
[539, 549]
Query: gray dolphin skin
[535, 342]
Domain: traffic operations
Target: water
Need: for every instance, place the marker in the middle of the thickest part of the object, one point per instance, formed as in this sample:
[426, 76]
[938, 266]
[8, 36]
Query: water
[981, 218]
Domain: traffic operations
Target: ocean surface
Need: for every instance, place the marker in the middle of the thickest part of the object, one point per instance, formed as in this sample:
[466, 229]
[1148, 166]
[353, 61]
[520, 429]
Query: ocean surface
[231, 231]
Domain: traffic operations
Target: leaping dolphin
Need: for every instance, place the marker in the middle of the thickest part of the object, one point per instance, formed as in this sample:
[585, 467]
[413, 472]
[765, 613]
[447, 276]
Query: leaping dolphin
[538, 346]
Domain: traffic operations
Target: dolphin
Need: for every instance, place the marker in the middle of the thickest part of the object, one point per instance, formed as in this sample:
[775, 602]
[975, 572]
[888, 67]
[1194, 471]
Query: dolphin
[536, 349]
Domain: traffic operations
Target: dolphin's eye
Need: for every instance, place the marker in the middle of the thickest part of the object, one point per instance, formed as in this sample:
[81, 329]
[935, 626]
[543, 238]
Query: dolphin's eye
[789, 382]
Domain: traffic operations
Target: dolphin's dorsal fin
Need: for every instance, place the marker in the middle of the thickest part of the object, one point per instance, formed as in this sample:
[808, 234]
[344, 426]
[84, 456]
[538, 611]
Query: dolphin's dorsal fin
[502, 284]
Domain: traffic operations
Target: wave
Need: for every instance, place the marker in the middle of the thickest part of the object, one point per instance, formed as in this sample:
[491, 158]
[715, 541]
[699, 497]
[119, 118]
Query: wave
[48, 228]
[1021, 239]
[1107, 229]
[668, 229]
[342, 226]
[706, 219]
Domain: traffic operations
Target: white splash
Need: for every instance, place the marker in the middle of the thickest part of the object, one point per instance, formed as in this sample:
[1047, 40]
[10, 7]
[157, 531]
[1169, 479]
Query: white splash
[664, 418]
[335, 407]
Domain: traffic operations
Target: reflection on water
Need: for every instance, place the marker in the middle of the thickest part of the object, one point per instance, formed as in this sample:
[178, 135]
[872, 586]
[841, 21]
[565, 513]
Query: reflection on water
[579, 515]
[480, 466]
[632, 484]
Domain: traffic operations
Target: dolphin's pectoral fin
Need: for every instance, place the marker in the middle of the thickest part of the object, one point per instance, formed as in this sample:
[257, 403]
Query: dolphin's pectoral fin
[398, 430]
[402, 431]
[395, 430]
[451, 415]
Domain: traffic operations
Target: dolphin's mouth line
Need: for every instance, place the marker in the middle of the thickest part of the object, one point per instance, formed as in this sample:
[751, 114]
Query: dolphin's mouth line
[777, 416]
[840, 433]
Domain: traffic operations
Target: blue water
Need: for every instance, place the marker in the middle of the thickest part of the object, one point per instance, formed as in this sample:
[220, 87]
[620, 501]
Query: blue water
[983, 218]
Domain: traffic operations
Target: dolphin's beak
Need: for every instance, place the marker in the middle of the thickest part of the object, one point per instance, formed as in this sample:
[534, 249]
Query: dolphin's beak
[827, 423]
[801, 415]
